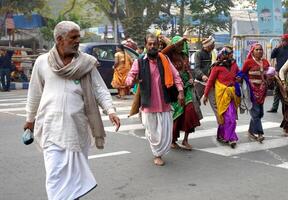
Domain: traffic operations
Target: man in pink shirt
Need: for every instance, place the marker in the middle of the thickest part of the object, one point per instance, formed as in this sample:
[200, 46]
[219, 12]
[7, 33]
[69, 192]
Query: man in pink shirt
[155, 101]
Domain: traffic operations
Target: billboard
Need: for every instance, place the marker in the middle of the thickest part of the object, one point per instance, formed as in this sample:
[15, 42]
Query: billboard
[270, 17]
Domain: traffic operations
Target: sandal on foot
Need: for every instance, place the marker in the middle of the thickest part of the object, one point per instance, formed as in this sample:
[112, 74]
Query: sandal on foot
[221, 140]
[186, 146]
[175, 146]
[158, 161]
[232, 144]
[252, 136]
[261, 138]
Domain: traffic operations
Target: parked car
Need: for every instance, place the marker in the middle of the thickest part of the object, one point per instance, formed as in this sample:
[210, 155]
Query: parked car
[104, 52]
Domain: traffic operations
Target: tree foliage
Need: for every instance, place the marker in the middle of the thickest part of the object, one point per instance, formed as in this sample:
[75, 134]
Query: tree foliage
[47, 31]
[135, 16]
[21, 6]
[207, 13]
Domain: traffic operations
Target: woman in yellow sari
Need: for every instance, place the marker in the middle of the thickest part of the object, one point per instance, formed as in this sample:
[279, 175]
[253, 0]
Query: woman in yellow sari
[122, 66]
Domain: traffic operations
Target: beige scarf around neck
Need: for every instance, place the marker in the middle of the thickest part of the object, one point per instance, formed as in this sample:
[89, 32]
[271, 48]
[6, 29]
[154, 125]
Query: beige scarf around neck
[79, 69]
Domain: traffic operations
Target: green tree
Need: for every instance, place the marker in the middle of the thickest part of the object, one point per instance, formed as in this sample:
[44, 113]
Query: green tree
[18, 6]
[21, 6]
[73, 11]
[135, 16]
[207, 13]
[47, 31]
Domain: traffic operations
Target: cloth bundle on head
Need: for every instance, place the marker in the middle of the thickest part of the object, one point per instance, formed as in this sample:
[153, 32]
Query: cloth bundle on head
[209, 41]
[285, 36]
[176, 39]
[224, 52]
[271, 71]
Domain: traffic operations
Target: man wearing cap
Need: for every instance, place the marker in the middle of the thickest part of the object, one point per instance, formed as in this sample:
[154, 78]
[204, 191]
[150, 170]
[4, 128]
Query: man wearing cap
[280, 55]
[203, 61]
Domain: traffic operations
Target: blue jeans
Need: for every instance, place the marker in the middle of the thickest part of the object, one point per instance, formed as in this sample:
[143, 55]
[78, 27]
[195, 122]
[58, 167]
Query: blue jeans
[255, 123]
[5, 78]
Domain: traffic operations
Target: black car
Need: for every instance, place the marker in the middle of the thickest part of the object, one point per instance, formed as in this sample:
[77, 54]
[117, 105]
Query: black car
[104, 52]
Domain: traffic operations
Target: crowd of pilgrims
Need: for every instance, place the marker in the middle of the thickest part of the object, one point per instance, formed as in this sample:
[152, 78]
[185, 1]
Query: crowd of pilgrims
[228, 88]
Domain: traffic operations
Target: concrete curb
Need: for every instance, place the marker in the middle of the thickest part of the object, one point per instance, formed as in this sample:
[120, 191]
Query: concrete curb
[19, 86]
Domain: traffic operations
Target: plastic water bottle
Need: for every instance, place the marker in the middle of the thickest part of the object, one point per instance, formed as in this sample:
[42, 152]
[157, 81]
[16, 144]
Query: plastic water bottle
[27, 137]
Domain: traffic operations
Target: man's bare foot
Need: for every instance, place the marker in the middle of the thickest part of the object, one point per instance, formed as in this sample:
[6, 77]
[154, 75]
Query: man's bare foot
[186, 145]
[158, 161]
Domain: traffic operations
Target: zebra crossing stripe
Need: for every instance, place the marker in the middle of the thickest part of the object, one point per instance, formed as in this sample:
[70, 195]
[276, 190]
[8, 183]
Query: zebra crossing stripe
[12, 109]
[10, 100]
[239, 129]
[124, 127]
[283, 165]
[108, 154]
[247, 147]
[12, 104]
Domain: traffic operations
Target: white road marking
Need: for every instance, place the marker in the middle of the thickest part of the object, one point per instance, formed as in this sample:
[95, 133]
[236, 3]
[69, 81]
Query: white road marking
[12, 109]
[16, 99]
[108, 154]
[124, 127]
[122, 108]
[12, 104]
[104, 117]
[239, 129]
[247, 147]
[283, 165]
[122, 116]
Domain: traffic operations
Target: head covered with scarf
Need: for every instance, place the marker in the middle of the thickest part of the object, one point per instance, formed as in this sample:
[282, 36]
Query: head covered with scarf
[185, 49]
[253, 47]
[224, 53]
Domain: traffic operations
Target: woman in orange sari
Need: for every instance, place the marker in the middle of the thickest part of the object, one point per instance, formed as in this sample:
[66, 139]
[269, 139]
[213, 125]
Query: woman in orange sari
[122, 66]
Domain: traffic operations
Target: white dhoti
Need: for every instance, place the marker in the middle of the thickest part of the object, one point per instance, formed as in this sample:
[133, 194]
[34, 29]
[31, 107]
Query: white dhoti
[68, 175]
[158, 131]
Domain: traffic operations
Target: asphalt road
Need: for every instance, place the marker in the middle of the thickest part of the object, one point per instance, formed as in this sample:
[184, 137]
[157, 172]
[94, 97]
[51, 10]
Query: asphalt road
[124, 169]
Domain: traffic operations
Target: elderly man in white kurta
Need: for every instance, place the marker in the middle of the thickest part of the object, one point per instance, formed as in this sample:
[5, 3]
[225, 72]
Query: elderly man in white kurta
[62, 108]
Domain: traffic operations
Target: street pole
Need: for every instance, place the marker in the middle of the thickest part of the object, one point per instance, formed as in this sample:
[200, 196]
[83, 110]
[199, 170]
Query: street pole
[116, 22]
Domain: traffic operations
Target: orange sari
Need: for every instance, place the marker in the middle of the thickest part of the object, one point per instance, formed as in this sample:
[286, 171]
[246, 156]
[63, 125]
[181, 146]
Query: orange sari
[120, 72]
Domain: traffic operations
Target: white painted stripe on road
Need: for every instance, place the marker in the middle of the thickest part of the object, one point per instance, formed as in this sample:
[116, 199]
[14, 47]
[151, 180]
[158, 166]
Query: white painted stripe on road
[122, 108]
[283, 165]
[108, 154]
[125, 127]
[239, 129]
[12, 104]
[16, 99]
[12, 109]
[198, 133]
[247, 147]
[123, 116]
[140, 126]
[104, 118]
[208, 119]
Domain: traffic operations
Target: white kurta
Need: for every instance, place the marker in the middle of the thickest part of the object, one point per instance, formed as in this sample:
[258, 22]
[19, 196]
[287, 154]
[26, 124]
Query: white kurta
[158, 131]
[62, 129]
[59, 106]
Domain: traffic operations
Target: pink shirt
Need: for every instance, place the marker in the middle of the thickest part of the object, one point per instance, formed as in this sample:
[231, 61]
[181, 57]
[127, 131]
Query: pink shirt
[157, 103]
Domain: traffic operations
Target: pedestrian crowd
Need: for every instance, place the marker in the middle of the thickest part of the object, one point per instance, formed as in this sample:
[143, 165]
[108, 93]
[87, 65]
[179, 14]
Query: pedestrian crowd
[66, 90]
